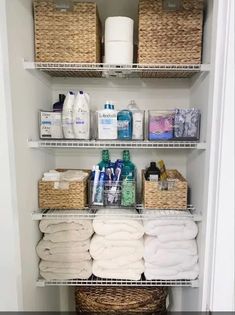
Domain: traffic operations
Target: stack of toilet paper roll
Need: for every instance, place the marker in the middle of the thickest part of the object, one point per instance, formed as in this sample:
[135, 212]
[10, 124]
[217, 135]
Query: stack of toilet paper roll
[119, 40]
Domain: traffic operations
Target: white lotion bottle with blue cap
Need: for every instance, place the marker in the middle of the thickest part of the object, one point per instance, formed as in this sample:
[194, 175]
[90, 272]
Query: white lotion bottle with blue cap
[67, 116]
[81, 116]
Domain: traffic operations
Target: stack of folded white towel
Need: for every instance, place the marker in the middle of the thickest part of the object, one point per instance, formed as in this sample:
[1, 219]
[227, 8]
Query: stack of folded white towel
[117, 247]
[64, 249]
[171, 249]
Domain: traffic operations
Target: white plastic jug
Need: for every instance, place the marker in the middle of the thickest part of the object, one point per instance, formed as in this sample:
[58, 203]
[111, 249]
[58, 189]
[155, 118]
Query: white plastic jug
[81, 116]
[67, 116]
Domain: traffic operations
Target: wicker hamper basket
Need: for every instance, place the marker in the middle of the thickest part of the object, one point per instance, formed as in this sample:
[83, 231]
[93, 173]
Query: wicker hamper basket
[120, 300]
[67, 35]
[175, 197]
[63, 195]
[170, 36]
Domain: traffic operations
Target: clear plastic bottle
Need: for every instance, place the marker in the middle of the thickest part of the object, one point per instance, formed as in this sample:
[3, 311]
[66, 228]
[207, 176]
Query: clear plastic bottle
[67, 116]
[138, 121]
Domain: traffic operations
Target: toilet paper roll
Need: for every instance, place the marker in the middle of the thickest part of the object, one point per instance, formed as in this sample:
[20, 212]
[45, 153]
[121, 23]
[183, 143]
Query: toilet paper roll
[119, 28]
[118, 52]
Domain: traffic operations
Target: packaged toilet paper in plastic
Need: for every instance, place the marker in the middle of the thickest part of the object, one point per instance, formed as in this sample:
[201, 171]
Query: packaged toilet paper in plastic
[119, 28]
[118, 52]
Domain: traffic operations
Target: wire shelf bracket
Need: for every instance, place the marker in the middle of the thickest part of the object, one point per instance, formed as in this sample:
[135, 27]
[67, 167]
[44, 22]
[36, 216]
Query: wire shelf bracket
[94, 281]
[141, 214]
[115, 144]
[117, 70]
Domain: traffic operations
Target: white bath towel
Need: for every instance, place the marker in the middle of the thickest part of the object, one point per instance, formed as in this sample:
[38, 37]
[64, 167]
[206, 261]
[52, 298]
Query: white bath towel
[84, 227]
[120, 226]
[63, 252]
[61, 271]
[169, 253]
[123, 250]
[68, 236]
[171, 273]
[104, 269]
[171, 230]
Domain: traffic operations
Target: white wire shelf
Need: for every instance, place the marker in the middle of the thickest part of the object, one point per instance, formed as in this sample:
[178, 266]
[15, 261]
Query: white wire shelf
[94, 281]
[141, 214]
[115, 144]
[119, 71]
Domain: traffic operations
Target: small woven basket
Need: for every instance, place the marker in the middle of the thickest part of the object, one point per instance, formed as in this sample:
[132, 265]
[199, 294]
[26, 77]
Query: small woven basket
[170, 194]
[62, 35]
[170, 36]
[120, 300]
[63, 195]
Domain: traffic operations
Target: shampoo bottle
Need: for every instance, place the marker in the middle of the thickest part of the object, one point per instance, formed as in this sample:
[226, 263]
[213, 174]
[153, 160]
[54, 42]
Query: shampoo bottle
[67, 116]
[81, 117]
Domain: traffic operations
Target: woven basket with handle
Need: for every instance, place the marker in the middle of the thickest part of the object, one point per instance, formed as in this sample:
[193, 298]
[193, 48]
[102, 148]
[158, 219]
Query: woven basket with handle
[63, 195]
[120, 300]
[171, 194]
[67, 35]
[168, 35]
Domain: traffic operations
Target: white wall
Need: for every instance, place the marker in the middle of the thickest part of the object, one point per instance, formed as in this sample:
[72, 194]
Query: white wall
[10, 262]
[29, 93]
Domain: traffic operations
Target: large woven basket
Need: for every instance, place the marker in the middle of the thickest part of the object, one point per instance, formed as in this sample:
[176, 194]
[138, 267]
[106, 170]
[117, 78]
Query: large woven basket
[175, 197]
[72, 35]
[62, 195]
[170, 37]
[120, 300]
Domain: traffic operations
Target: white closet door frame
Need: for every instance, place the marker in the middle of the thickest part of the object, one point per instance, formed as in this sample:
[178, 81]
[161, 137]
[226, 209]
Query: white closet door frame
[10, 264]
[218, 285]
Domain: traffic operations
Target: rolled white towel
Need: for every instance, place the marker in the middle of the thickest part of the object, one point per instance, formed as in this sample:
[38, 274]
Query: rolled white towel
[171, 273]
[61, 270]
[171, 230]
[169, 253]
[84, 227]
[123, 250]
[63, 252]
[67, 236]
[104, 269]
[120, 226]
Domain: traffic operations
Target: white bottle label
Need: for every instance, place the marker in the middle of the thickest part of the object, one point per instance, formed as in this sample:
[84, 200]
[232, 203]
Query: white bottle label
[107, 124]
[138, 121]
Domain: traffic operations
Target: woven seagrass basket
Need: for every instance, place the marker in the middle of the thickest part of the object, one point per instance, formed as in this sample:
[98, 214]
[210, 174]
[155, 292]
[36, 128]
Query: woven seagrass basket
[63, 195]
[120, 300]
[67, 35]
[170, 36]
[170, 194]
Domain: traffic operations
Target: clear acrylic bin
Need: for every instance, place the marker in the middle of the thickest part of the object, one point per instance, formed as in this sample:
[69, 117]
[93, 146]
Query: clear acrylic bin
[111, 194]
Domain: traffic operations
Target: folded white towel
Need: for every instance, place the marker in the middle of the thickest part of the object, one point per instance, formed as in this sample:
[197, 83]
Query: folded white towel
[73, 175]
[68, 236]
[171, 273]
[61, 270]
[120, 227]
[63, 252]
[123, 250]
[171, 230]
[84, 227]
[169, 253]
[104, 269]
